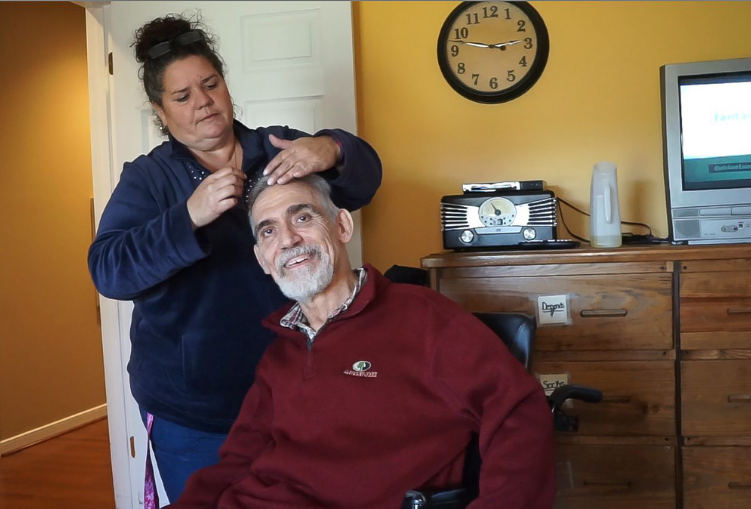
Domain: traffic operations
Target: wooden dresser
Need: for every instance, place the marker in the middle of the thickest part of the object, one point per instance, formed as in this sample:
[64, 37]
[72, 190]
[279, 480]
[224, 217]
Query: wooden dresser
[665, 333]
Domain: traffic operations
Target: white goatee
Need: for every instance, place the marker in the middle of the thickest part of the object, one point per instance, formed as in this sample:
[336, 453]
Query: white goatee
[306, 282]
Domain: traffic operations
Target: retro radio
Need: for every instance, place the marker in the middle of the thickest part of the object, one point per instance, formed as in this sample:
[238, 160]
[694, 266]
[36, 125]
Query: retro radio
[497, 215]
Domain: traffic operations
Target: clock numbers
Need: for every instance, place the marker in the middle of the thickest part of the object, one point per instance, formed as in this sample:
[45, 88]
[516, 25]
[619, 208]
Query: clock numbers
[454, 50]
[511, 76]
[523, 61]
[508, 13]
[472, 18]
[527, 43]
[460, 68]
[493, 82]
[493, 12]
[521, 24]
[461, 33]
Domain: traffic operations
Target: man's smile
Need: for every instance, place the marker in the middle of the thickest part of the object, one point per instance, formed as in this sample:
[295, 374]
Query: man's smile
[294, 262]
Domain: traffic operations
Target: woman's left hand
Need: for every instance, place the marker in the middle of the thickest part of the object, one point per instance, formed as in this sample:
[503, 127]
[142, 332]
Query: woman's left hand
[301, 157]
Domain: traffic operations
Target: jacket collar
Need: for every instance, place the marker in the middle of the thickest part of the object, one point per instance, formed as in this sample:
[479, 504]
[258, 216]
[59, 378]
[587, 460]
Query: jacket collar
[375, 284]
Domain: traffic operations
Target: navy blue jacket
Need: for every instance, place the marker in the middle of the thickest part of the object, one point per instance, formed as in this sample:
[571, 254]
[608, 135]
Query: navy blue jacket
[200, 296]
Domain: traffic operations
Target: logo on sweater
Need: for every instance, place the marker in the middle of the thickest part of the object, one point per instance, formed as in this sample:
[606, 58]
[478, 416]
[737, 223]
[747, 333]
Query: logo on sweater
[360, 368]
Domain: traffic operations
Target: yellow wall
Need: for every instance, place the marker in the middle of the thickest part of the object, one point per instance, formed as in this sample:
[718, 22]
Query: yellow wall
[598, 99]
[50, 346]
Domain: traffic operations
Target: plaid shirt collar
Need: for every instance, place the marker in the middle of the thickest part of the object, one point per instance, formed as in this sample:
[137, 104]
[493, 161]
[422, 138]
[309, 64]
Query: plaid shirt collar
[295, 319]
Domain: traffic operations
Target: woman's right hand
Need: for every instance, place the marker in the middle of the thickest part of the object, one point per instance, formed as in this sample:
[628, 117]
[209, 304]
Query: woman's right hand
[218, 193]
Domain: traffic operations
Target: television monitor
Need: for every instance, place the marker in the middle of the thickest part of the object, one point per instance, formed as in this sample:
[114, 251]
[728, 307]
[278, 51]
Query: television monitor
[706, 119]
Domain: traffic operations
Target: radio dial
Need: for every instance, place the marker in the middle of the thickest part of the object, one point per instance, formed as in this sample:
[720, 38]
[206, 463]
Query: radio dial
[497, 212]
[529, 233]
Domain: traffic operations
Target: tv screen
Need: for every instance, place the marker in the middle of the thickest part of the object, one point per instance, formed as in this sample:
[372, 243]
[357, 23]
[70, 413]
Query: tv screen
[716, 131]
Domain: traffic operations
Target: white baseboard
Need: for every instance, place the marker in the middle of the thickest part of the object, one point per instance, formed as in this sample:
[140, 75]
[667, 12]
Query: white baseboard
[53, 429]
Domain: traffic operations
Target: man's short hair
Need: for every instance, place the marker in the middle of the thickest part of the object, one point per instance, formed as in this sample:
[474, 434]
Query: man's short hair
[320, 187]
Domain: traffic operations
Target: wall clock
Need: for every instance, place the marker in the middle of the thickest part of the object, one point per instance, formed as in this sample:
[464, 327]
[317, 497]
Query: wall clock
[492, 52]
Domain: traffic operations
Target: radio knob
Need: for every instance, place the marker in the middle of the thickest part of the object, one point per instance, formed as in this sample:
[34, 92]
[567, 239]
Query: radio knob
[529, 233]
[467, 236]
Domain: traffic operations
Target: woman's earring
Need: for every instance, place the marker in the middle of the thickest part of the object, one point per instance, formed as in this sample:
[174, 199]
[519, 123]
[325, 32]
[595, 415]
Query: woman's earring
[237, 111]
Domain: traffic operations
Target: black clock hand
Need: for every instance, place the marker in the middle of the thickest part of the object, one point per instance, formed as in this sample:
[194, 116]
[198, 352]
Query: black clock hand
[502, 45]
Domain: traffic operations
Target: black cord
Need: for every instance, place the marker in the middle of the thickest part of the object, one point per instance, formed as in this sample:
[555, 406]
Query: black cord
[628, 237]
[560, 210]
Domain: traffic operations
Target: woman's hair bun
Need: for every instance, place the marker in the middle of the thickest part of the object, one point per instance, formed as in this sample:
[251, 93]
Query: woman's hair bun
[159, 30]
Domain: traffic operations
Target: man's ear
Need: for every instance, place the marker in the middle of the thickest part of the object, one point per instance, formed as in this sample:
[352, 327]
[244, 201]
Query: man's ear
[345, 226]
[260, 259]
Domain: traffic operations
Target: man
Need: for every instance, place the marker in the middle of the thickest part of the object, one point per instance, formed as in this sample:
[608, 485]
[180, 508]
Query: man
[371, 388]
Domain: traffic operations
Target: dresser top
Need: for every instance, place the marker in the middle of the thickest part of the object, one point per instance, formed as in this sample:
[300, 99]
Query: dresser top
[587, 255]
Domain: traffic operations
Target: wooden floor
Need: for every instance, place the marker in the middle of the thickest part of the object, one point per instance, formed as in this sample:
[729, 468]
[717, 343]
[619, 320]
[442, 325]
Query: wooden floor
[70, 471]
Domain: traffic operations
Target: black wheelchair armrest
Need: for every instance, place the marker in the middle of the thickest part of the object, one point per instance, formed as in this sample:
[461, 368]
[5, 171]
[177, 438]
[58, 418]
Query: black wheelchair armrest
[449, 499]
[570, 423]
[561, 394]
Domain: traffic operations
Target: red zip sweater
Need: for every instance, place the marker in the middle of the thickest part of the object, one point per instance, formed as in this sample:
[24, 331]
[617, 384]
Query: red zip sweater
[321, 429]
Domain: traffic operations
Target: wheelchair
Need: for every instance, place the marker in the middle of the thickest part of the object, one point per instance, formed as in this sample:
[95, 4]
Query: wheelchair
[517, 331]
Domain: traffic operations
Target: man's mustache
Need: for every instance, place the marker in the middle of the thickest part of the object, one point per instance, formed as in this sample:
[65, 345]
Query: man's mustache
[311, 250]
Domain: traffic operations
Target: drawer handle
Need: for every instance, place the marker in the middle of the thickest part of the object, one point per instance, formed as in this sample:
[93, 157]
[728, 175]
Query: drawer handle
[739, 485]
[616, 399]
[615, 484]
[607, 313]
[739, 311]
[739, 398]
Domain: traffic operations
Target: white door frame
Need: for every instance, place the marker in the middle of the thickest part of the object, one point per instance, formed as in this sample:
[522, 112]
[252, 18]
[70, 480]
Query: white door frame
[101, 162]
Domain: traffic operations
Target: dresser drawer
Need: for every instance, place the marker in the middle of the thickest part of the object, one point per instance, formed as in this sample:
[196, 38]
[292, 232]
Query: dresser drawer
[615, 477]
[715, 301]
[716, 397]
[638, 396]
[608, 311]
[716, 477]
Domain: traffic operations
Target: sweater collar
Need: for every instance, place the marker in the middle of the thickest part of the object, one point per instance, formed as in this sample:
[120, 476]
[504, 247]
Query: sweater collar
[375, 284]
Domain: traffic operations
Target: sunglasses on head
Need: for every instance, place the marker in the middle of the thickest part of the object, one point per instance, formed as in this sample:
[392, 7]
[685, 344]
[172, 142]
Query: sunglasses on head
[161, 49]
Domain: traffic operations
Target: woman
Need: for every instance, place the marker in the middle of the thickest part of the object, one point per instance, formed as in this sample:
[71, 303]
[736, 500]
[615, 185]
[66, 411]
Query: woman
[175, 239]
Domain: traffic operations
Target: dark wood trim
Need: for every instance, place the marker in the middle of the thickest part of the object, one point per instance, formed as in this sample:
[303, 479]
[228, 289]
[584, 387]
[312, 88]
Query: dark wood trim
[588, 255]
[564, 439]
[604, 355]
[555, 270]
[717, 441]
[678, 392]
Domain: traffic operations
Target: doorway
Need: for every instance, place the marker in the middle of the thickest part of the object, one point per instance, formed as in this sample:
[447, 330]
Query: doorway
[51, 366]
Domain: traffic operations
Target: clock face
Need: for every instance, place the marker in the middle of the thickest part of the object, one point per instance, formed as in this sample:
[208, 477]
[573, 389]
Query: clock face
[493, 52]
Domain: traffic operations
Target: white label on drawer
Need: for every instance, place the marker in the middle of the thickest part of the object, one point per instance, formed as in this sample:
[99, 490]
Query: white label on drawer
[553, 310]
[552, 381]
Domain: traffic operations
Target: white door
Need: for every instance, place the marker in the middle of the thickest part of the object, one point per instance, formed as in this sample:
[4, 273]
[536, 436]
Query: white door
[289, 63]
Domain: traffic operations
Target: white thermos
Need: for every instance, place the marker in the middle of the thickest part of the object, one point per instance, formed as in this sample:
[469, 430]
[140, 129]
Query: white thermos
[605, 216]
